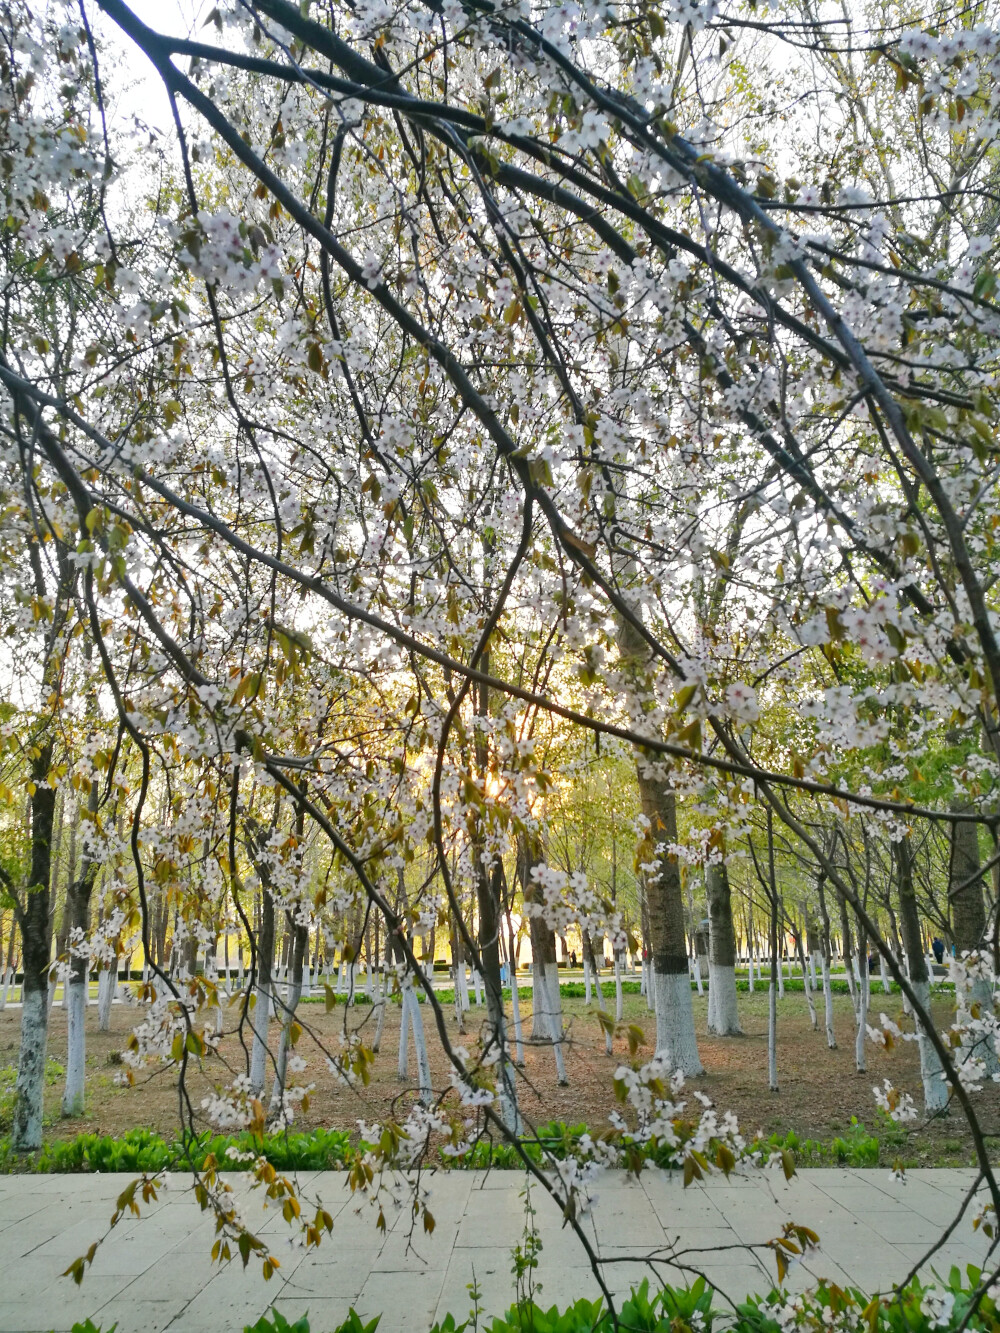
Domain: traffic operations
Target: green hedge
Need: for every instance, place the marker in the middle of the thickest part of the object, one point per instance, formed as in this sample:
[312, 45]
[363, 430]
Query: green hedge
[939, 1307]
[142, 1150]
[576, 990]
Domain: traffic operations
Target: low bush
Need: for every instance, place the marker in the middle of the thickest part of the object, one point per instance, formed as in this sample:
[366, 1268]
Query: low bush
[943, 1306]
[142, 1150]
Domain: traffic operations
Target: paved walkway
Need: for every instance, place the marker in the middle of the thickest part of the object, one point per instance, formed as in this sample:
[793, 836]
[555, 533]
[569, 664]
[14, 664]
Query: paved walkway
[155, 1273]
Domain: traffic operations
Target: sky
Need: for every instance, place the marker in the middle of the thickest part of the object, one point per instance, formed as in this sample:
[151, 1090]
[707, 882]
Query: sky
[147, 98]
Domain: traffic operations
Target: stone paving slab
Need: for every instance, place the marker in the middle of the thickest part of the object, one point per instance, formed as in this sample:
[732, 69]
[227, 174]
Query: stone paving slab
[154, 1275]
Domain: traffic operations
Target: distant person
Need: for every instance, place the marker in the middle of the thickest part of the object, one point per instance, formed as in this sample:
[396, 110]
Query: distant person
[572, 959]
[938, 949]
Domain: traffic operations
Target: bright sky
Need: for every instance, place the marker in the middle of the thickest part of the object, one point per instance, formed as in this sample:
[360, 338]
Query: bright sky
[180, 18]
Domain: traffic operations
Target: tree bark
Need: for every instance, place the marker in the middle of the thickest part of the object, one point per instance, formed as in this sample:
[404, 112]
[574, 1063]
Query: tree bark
[723, 1013]
[831, 1039]
[935, 1088]
[26, 1134]
[588, 962]
[547, 1008]
[676, 1043]
[968, 928]
[300, 943]
[261, 1012]
[772, 994]
[488, 894]
[77, 912]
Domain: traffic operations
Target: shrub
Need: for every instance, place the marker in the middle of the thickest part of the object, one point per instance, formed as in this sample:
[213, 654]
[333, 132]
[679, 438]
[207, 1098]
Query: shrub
[943, 1306]
[142, 1150]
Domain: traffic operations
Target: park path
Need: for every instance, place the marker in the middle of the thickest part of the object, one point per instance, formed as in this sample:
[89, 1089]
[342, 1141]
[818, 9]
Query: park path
[155, 1273]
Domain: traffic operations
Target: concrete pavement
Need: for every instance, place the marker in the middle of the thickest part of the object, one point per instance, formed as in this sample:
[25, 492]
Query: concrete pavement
[155, 1274]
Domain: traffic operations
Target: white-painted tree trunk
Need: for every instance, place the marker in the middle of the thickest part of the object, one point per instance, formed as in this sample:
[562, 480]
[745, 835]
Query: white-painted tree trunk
[457, 1000]
[30, 1086]
[419, 1043]
[831, 1040]
[463, 982]
[935, 1088]
[619, 995]
[807, 986]
[772, 1036]
[75, 1004]
[107, 980]
[650, 992]
[477, 982]
[284, 1044]
[515, 1004]
[750, 972]
[5, 980]
[381, 1005]
[260, 1020]
[539, 1004]
[723, 1014]
[860, 1059]
[608, 1045]
[553, 1017]
[884, 974]
[781, 978]
[403, 1064]
[983, 1048]
[587, 988]
[676, 1044]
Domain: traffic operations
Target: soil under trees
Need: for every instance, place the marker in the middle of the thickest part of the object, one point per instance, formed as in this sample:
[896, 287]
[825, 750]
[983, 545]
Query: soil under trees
[819, 1094]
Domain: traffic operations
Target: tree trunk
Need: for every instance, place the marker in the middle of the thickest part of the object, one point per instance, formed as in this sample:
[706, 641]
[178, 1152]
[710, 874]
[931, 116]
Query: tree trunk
[772, 995]
[806, 981]
[723, 1015]
[848, 952]
[968, 928]
[297, 952]
[547, 1015]
[935, 1088]
[411, 1002]
[588, 962]
[488, 895]
[831, 1040]
[77, 914]
[261, 1012]
[26, 1132]
[515, 999]
[864, 991]
[676, 1043]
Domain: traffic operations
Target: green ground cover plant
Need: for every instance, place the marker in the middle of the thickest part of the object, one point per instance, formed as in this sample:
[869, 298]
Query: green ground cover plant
[957, 1301]
[143, 1150]
[330, 1149]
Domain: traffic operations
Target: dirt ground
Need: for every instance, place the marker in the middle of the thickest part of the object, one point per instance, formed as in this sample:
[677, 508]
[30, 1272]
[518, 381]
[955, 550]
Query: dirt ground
[820, 1090]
